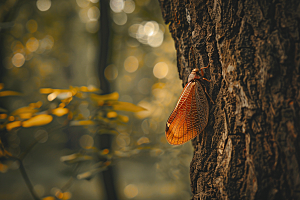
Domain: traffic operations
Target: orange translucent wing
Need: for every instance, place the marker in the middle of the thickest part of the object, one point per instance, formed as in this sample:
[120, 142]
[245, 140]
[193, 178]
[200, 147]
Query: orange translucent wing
[190, 116]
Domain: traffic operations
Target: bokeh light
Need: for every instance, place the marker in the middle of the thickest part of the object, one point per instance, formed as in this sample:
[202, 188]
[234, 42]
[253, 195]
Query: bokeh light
[131, 191]
[41, 135]
[117, 5]
[46, 43]
[32, 26]
[156, 40]
[111, 72]
[131, 64]
[43, 5]
[18, 60]
[39, 189]
[86, 141]
[148, 32]
[83, 15]
[93, 13]
[32, 44]
[123, 140]
[129, 6]
[160, 70]
[92, 26]
[17, 47]
[82, 3]
[120, 18]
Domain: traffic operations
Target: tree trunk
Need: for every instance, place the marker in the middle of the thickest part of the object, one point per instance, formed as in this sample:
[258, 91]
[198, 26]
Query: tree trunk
[104, 141]
[251, 145]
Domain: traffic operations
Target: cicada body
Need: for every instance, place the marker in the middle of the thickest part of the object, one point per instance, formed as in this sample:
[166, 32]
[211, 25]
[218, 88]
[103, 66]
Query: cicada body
[190, 116]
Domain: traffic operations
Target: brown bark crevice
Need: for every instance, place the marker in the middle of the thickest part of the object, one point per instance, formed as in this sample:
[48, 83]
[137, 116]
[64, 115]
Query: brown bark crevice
[250, 147]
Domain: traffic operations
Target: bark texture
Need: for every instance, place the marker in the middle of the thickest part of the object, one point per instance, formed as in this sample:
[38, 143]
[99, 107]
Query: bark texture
[251, 145]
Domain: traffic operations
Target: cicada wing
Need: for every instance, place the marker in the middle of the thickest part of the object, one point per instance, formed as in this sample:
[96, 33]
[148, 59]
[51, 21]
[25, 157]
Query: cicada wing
[190, 115]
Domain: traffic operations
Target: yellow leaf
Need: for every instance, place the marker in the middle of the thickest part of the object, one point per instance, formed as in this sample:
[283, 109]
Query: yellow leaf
[61, 105]
[123, 118]
[84, 89]
[36, 105]
[125, 106]
[9, 93]
[3, 116]
[101, 98]
[12, 125]
[107, 163]
[25, 115]
[38, 120]
[73, 158]
[105, 151]
[59, 93]
[92, 89]
[65, 90]
[3, 168]
[60, 111]
[46, 90]
[3, 152]
[70, 116]
[67, 101]
[49, 198]
[1, 86]
[111, 114]
[82, 123]
[67, 195]
[59, 195]
[11, 118]
[143, 140]
[158, 85]
[88, 89]
[24, 110]
[65, 95]
[52, 96]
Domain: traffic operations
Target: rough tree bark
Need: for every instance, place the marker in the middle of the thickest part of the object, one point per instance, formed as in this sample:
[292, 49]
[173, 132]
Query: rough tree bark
[251, 145]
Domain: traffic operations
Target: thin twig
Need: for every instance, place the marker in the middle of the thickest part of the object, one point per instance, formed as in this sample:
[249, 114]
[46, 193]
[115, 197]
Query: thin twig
[27, 181]
[23, 155]
[30, 147]
[71, 180]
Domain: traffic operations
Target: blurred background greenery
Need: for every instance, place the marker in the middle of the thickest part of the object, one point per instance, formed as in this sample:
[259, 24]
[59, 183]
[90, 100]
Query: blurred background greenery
[52, 112]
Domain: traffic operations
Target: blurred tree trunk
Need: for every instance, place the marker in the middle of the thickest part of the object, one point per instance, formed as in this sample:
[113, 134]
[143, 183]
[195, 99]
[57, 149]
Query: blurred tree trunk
[104, 141]
[8, 10]
[251, 145]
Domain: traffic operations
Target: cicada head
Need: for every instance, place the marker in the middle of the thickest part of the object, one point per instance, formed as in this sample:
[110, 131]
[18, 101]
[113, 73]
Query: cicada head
[194, 75]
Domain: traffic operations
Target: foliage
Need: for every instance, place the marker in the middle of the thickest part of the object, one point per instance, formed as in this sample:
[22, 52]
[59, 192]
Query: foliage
[65, 105]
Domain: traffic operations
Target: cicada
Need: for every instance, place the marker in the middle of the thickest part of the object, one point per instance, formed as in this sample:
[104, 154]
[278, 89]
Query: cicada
[190, 116]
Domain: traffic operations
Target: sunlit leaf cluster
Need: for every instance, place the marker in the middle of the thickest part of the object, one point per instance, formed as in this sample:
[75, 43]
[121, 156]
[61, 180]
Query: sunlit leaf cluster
[76, 106]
